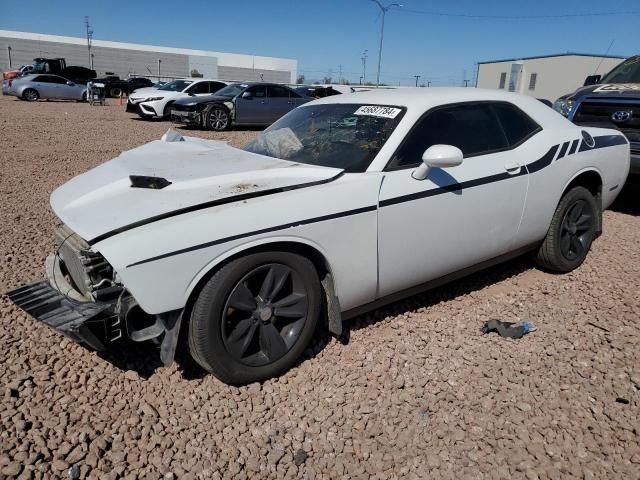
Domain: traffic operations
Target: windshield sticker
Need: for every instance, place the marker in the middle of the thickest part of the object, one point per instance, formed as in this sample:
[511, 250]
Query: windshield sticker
[618, 87]
[377, 111]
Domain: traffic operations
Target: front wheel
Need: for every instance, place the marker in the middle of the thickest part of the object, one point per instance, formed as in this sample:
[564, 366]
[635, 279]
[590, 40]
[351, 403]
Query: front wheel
[30, 95]
[217, 118]
[255, 316]
[115, 92]
[573, 228]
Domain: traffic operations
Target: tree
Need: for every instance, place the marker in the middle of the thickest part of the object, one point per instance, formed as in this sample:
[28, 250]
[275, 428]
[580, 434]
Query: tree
[300, 79]
[327, 80]
[196, 74]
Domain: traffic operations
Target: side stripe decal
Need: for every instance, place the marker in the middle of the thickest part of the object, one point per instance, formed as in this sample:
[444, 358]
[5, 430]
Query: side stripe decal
[545, 161]
[259, 232]
[563, 150]
[574, 146]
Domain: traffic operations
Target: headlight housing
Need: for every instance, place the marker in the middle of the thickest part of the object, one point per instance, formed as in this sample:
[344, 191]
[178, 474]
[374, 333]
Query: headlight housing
[153, 99]
[563, 105]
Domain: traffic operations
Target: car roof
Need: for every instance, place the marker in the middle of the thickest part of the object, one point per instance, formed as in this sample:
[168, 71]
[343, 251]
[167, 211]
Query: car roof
[420, 99]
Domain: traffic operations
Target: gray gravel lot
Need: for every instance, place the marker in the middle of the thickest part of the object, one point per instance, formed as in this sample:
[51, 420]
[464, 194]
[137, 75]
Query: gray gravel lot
[418, 392]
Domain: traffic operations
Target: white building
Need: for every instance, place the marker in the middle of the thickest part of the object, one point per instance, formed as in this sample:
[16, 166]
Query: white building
[545, 77]
[128, 59]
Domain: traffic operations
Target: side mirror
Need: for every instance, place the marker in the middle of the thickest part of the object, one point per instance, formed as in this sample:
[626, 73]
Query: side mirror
[592, 80]
[70, 83]
[439, 156]
[247, 95]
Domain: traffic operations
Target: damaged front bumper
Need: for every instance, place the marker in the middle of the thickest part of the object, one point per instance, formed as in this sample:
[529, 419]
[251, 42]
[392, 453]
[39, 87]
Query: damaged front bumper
[186, 117]
[97, 325]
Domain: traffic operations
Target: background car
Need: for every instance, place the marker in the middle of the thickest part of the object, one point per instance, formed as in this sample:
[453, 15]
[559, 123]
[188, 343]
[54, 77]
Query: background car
[114, 86]
[255, 104]
[316, 91]
[34, 87]
[156, 102]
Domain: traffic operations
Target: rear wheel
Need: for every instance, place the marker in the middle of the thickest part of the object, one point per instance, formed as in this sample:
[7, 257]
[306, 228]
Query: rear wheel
[573, 228]
[217, 118]
[115, 92]
[30, 95]
[255, 316]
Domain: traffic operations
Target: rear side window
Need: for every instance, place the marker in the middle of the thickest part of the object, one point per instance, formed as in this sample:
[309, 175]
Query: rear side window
[200, 87]
[277, 91]
[517, 125]
[473, 128]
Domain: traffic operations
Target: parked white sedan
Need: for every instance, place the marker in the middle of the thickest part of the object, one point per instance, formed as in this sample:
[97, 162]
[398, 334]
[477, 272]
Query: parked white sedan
[344, 203]
[156, 102]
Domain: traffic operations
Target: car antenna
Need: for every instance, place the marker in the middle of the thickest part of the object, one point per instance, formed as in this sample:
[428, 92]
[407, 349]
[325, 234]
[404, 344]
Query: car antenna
[605, 54]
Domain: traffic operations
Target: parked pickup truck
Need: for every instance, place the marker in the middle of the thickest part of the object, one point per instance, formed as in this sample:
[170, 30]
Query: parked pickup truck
[612, 101]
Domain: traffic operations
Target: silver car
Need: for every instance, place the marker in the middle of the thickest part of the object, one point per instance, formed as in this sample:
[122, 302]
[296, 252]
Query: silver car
[34, 87]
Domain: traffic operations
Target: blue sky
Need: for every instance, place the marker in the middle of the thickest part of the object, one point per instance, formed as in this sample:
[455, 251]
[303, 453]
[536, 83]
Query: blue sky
[324, 34]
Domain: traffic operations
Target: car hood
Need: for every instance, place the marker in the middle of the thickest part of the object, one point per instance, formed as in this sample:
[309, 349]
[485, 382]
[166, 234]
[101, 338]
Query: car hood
[202, 173]
[140, 92]
[607, 89]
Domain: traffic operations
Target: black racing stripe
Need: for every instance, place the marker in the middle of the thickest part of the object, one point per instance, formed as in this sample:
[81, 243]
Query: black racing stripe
[604, 141]
[544, 162]
[563, 150]
[285, 226]
[202, 206]
[610, 141]
[574, 147]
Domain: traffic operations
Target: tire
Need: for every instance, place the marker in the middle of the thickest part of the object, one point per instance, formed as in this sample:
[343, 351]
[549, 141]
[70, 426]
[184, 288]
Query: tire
[573, 228]
[30, 95]
[166, 113]
[217, 118]
[254, 340]
[115, 92]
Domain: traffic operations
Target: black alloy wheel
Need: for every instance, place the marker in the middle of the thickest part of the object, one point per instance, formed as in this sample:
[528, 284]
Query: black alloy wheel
[577, 230]
[264, 314]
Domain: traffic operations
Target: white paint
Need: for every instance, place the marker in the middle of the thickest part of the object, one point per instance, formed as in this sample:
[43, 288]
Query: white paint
[378, 251]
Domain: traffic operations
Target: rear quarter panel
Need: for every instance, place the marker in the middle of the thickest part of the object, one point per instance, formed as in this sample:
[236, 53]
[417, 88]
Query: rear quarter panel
[572, 158]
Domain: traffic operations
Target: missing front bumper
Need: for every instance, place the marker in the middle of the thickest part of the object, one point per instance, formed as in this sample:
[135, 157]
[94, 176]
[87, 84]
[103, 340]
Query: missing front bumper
[91, 324]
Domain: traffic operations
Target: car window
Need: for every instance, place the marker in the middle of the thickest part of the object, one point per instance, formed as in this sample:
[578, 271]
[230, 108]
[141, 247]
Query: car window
[473, 128]
[59, 80]
[339, 135]
[258, 91]
[278, 91]
[517, 125]
[216, 86]
[200, 87]
[44, 79]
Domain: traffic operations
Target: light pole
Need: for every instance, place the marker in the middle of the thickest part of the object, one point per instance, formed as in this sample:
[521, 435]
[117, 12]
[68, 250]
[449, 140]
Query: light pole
[9, 51]
[364, 67]
[417, 77]
[159, 62]
[383, 10]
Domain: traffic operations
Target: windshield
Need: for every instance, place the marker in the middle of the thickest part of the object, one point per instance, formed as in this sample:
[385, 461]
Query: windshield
[232, 90]
[338, 135]
[176, 85]
[627, 72]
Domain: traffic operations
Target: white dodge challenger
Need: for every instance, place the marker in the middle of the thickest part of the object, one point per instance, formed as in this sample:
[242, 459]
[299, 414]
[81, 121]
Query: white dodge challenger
[341, 205]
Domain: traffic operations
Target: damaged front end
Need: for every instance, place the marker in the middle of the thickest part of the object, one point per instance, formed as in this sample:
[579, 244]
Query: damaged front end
[84, 299]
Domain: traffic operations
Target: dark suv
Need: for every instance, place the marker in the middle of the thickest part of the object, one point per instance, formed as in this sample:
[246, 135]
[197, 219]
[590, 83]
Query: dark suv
[612, 101]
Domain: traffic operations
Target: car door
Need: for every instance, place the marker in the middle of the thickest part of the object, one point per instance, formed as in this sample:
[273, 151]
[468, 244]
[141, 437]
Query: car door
[65, 91]
[253, 109]
[45, 86]
[456, 217]
[280, 102]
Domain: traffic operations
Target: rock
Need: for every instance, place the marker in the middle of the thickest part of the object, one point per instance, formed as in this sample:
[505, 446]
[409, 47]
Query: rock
[11, 470]
[300, 457]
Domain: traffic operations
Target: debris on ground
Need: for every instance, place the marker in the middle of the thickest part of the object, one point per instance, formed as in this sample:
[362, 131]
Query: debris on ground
[508, 329]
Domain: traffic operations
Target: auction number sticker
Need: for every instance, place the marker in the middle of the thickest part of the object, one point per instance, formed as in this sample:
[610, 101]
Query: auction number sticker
[378, 111]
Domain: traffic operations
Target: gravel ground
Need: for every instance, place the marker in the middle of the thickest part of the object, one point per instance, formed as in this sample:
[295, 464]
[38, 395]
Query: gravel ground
[418, 392]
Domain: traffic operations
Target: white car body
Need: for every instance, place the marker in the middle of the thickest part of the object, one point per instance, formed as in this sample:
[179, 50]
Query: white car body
[380, 232]
[153, 102]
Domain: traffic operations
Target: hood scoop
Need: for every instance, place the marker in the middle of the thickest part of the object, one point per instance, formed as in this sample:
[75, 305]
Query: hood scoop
[153, 183]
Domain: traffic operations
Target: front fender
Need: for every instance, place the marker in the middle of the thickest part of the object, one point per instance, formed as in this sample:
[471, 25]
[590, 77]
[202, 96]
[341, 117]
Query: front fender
[260, 242]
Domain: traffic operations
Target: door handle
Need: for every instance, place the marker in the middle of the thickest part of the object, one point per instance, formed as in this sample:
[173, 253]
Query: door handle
[512, 168]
